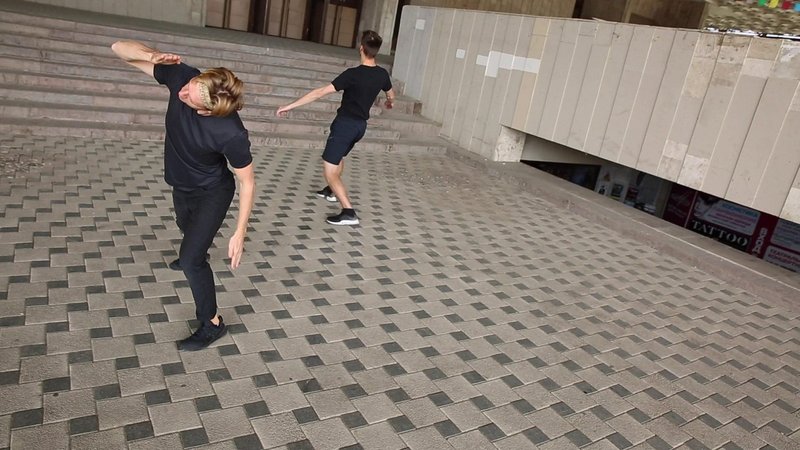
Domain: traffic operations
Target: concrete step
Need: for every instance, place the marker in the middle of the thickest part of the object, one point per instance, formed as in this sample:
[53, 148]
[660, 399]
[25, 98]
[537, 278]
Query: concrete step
[68, 30]
[39, 37]
[109, 59]
[262, 119]
[133, 83]
[93, 79]
[123, 71]
[145, 101]
[254, 123]
[27, 36]
[60, 78]
[260, 141]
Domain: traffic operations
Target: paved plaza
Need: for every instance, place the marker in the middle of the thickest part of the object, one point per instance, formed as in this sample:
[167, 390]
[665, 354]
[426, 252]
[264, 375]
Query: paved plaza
[462, 313]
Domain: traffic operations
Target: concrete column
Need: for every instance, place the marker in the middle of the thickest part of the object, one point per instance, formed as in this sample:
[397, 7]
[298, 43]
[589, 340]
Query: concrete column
[510, 144]
[379, 16]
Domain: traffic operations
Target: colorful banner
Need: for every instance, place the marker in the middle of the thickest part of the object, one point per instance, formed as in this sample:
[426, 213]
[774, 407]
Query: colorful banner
[724, 221]
[745, 229]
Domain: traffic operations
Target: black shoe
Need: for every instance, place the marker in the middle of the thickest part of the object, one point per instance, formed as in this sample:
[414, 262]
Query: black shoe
[344, 218]
[204, 336]
[327, 194]
[176, 265]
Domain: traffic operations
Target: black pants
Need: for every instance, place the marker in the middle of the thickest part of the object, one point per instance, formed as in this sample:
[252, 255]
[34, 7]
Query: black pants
[199, 214]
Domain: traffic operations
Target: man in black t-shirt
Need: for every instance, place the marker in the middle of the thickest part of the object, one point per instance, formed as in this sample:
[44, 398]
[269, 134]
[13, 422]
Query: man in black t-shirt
[361, 86]
[203, 134]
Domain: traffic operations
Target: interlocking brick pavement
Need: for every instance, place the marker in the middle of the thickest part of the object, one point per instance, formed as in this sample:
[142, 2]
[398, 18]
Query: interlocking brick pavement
[461, 313]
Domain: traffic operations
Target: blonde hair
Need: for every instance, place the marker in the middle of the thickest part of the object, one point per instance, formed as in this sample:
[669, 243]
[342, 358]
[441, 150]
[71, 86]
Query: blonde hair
[226, 92]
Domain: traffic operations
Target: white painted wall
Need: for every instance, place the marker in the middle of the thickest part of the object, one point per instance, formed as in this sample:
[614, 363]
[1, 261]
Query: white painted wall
[188, 12]
[717, 113]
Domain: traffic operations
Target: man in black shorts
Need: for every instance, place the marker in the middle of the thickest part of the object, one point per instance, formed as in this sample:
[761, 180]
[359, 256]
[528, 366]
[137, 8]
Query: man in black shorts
[203, 134]
[361, 86]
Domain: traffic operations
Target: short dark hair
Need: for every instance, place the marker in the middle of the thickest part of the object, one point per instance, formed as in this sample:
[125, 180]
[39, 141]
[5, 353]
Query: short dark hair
[371, 42]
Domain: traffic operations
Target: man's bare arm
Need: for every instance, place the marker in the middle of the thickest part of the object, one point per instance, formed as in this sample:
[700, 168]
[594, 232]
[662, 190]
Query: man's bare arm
[314, 95]
[247, 188]
[390, 98]
[143, 57]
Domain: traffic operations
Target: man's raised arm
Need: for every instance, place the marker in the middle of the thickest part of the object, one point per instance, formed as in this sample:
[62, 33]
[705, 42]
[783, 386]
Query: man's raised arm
[141, 56]
[312, 96]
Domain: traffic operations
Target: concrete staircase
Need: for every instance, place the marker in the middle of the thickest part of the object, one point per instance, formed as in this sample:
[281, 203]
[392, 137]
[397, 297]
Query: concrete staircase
[59, 78]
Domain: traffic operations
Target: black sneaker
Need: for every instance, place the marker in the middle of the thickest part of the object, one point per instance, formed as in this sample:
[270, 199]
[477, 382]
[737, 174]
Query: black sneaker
[343, 218]
[204, 336]
[176, 265]
[327, 194]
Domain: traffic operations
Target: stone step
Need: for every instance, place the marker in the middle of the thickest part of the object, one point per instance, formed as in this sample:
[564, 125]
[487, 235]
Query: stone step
[60, 78]
[262, 119]
[40, 38]
[145, 101]
[134, 83]
[109, 59]
[266, 104]
[68, 30]
[28, 37]
[264, 124]
[269, 141]
[123, 71]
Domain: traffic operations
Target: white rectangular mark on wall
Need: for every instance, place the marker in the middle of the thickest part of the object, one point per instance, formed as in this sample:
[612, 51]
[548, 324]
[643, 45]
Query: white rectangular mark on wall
[461, 53]
[493, 64]
[420, 24]
[499, 60]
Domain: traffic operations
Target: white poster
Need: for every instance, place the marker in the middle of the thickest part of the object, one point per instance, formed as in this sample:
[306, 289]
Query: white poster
[787, 235]
[783, 258]
[726, 214]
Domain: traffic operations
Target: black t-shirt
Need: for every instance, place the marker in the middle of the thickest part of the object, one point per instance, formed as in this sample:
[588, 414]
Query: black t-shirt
[361, 86]
[196, 146]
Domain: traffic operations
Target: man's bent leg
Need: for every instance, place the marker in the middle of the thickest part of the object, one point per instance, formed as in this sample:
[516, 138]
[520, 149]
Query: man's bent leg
[198, 236]
[333, 175]
[182, 205]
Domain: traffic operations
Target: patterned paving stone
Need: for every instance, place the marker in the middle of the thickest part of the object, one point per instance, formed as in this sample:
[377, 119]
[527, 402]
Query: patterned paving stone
[117, 412]
[328, 434]
[378, 436]
[277, 430]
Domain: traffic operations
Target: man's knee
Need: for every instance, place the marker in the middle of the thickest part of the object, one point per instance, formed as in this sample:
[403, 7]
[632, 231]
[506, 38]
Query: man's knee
[192, 260]
[330, 170]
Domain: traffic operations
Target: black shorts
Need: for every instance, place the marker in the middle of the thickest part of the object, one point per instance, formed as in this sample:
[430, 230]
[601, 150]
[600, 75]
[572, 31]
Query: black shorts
[345, 132]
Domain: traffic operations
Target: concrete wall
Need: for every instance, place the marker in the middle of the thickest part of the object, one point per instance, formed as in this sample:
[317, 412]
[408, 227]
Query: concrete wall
[538, 149]
[552, 8]
[717, 113]
[189, 12]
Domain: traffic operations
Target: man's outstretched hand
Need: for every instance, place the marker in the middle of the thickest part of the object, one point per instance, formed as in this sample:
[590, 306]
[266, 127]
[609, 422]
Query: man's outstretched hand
[283, 111]
[164, 58]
